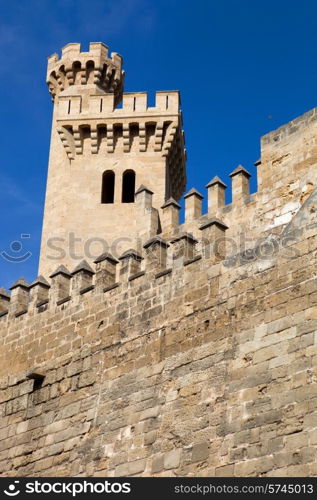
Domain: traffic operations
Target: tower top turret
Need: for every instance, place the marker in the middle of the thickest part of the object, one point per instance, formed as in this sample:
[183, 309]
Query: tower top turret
[92, 68]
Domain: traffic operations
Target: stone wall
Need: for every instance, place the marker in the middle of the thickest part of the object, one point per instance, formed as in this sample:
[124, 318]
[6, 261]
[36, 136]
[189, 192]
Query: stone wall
[197, 360]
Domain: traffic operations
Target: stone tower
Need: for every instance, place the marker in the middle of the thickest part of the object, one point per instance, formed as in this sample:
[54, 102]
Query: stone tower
[112, 166]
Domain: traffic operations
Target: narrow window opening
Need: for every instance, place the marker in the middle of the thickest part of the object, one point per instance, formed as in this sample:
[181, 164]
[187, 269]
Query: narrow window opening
[101, 105]
[134, 100]
[128, 186]
[167, 102]
[38, 380]
[90, 67]
[38, 383]
[77, 72]
[69, 102]
[107, 192]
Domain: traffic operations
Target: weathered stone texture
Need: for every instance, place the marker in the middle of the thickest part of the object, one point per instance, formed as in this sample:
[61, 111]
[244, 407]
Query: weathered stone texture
[200, 375]
[186, 357]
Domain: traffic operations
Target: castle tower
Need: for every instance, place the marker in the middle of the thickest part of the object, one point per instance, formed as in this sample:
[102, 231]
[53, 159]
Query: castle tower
[101, 153]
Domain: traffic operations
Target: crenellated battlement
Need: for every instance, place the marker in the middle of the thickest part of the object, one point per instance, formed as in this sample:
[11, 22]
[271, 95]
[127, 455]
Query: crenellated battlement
[135, 126]
[174, 248]
[155, 259]
[76, 68]
[135, 104]
[205, 237]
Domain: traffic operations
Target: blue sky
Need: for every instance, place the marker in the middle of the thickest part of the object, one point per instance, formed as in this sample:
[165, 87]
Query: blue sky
[244, 67]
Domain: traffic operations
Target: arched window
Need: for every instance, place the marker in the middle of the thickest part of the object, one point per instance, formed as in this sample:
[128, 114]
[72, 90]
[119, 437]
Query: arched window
[77, 72]
[107, 191]
[90, 66]
[128, 186]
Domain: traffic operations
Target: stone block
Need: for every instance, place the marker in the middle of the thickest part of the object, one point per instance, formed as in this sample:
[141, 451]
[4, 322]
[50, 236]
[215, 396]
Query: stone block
[157, 464]
[137, 467]
[172, 459]
[200, 452]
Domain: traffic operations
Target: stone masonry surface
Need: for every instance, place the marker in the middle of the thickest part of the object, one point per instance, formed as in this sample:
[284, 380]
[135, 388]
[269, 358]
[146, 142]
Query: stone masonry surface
[194, 354]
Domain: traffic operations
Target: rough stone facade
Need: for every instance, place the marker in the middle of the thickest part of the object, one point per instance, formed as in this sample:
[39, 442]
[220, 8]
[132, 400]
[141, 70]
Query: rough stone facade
[194, 355]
